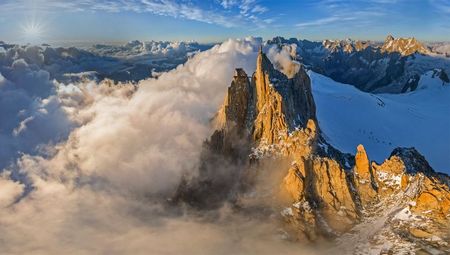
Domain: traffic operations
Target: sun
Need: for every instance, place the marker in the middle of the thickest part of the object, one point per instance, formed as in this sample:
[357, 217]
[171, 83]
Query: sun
[33, 30]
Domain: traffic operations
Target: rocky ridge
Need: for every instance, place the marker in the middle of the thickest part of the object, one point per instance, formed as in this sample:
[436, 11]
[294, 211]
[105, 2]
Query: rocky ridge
[369, 66]
[324, 194]
[404, 46]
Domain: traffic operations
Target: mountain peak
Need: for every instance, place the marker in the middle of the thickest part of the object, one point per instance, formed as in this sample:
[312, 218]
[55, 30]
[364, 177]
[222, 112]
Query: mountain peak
[389, 38]
[263, 63]
[347, 46]
[404, 46]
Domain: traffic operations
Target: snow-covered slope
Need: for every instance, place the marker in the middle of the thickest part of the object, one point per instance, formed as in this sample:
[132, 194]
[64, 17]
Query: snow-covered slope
[381, 122]
[442, 48]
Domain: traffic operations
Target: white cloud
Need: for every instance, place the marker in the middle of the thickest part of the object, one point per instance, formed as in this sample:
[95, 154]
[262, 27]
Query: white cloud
[228, 3]
[163, 123]
[283, 59]
[99, 192]
[30, 113]
[10, 190]
[338, 12]
[324, 21]
[259, 9]
[191, 12]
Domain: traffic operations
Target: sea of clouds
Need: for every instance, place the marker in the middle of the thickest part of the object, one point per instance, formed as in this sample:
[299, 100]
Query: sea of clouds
[87, 166]
[132, 61]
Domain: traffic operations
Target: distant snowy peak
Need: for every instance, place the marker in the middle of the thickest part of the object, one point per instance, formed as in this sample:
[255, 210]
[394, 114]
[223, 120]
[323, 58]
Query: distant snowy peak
[435, 78]
[442, 48]
[404, 46]
[394, 66]
[347, 46]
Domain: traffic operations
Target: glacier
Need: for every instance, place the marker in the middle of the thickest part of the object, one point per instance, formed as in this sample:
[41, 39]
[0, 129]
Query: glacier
[381, 122]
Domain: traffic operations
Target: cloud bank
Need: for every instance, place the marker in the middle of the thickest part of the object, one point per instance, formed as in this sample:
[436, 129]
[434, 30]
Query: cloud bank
[107, 155]
[132, 61]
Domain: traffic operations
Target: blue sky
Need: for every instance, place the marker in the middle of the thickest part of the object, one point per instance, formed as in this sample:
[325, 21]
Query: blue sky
[215, 20]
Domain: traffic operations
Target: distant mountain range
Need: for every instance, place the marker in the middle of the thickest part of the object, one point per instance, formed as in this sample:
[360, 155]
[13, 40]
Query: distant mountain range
[394, 66]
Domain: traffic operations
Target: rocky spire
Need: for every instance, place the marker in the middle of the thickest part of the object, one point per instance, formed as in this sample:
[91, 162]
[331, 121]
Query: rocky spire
[282, 104]
[362, 164]
[364, 179]
[235, 109]
[261, 78]
[270, 105]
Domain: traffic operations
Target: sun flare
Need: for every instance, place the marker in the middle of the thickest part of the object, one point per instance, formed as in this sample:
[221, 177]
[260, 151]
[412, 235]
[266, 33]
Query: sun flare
[33, 29]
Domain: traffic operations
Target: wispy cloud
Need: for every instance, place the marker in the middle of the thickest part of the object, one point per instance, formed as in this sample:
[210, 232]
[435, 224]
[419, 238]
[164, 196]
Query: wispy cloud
[187, 11]
[226, 13]
[338, 11]
[442, 9]
[249, 10]
[441, 6]
[227, 4]
[324, 21]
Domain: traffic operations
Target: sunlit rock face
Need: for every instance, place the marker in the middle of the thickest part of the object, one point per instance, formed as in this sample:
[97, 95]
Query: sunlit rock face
[321, 193]
[364, 178]
[405, 46]
[270, 105]
[281, 104]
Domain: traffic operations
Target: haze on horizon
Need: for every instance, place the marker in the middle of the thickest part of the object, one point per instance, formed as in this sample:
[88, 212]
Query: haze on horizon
[57, 21]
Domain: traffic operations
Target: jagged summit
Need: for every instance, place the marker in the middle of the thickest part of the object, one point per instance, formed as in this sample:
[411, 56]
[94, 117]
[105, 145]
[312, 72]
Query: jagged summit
[282, 104]
[270, 104]
[347, 46]
[325, 194]
[404, 46]
[388, 39]
[414, 161]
